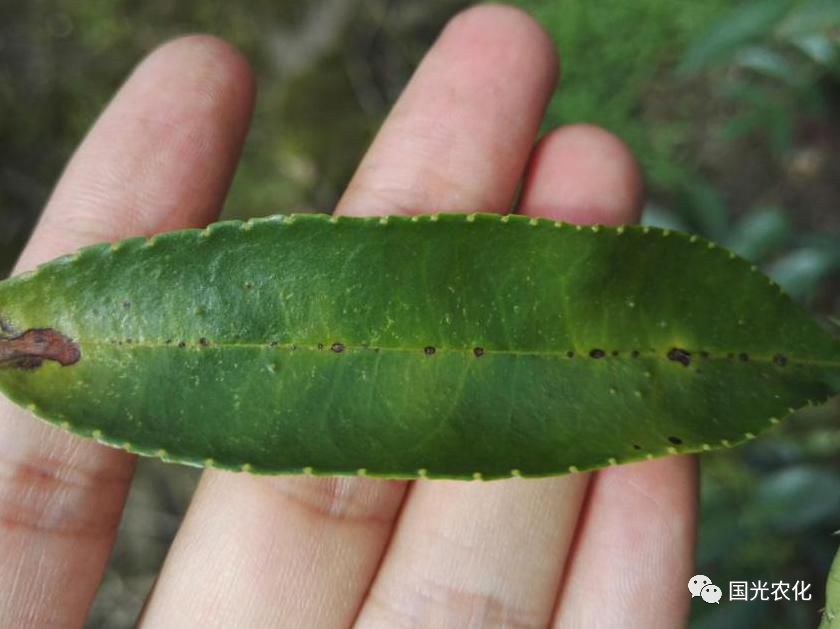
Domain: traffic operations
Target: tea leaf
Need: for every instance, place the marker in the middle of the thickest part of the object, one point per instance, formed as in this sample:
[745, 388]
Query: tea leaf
[441, 346]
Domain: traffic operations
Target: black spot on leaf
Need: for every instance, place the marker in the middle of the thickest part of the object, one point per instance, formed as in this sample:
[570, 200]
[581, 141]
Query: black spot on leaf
[337, 347]
[597, 353]
[429, 350]
[680, 356]
[780, 360]
[479, 352]
[675, 440]
[203, 342]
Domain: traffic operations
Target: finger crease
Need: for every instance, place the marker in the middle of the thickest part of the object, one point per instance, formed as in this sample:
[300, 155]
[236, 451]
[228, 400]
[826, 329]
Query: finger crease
[59, 499]
[341, 501]
[432, 603]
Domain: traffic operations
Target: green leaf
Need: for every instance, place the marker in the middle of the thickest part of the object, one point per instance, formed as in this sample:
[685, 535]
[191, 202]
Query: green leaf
[801, 271]
[816, 16]
[818, 48]
[759, 233]
[742, 25]
[831, 613]
[769, 63]
[799, 498]
[447, 346]
[657, 216]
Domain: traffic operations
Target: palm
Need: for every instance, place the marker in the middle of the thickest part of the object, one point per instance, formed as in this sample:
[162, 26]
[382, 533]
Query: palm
[612, 549]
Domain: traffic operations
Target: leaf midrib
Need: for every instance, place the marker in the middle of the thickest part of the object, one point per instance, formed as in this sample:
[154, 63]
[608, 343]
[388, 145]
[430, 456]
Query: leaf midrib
[729, 356]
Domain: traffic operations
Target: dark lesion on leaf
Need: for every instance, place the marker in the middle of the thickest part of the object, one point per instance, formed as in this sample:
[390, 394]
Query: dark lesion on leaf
[30, 349]
[680, 356]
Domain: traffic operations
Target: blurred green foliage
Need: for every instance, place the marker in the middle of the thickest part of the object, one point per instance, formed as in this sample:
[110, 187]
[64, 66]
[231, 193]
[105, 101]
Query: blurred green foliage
[617, 56]
[731, 107]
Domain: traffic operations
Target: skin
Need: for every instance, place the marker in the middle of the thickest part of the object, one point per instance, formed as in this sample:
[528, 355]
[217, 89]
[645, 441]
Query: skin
[613, 548]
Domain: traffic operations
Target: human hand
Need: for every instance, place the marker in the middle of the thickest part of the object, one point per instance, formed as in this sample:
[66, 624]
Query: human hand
[611, 549]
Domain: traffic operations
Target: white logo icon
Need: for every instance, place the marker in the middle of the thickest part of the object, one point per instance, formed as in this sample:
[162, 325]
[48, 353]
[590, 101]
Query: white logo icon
[711, 593]
[697, 583]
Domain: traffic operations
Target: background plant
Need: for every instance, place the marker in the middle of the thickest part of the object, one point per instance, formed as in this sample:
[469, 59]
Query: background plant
[733, 108]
